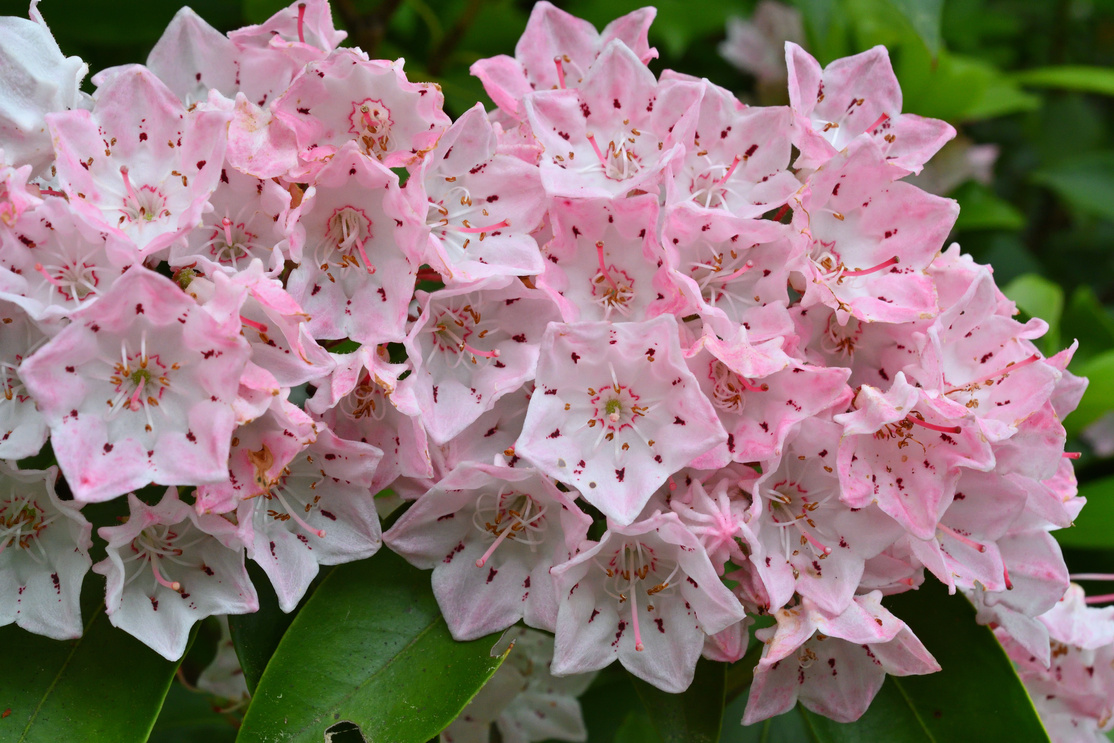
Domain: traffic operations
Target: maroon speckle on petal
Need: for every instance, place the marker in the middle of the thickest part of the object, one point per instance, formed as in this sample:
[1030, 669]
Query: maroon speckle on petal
[555, 434]
[677, 421]
[154, 603]
[491, 575]
[660, 624]
[575, 357]
[595, 613]
[328, 514]
[620, 473]
[108, 448]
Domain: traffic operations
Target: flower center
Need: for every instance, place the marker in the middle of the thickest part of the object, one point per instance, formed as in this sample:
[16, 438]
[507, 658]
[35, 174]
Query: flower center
[140, 381]
[370, 121]
[347, 230]
[615, 407]
[635, 567]
[144, 204]
[11, 384]
[230, 242]
[509, 515]
[728, 387]
[21, 523]
[454, 330]
[619, 161]
[366, 400]
[841, 339]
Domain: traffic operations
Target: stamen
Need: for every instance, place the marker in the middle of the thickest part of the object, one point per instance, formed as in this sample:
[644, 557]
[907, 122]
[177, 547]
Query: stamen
[480, 230]
[498, 541]
[881, 120]
[560, 72]
[1071, 455]
[932, 426]
[50, 192]
[301, 22]
[226, 223]
[966, 540]
[874, 269]
[133, 403]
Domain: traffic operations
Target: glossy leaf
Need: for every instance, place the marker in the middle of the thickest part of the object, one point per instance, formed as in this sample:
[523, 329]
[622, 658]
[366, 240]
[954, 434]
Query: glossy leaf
[106, 686]
[1081, 78]
[693, 716]
[189, 717]
[1085, 183]
[981, 209]
[1086, 320]
[256, 636]
[1036, 296]
[924, 16]
[1099, 397]
[370, 646]
[977, 688]
[1092, 527]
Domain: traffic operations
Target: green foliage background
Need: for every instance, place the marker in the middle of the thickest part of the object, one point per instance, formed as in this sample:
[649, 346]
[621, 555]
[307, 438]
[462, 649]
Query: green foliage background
[1034, 77]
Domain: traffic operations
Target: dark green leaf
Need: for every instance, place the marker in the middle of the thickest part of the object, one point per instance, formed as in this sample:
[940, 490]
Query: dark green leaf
[924, 16]
[981, 209]
[256, 636]
[1086, 183]
[189, 717]
[106, 686]
[978, 685]
[1083, 79]
[787, 728]
[1088, 321]
[1036, 296]
[693, 716]
[1099, 397]
[370, 646]
[1092, 527]
[636, 728]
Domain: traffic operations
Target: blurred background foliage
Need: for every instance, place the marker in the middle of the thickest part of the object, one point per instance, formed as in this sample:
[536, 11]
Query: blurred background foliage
[1033, 77]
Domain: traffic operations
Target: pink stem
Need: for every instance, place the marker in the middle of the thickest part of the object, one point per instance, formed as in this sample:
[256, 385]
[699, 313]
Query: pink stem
[603, 267]
[172, 585]
[966, 540]
[932, 426]
[881, 120]
[560, 72]
[872, 269]
[1071, 455]
[480, 230]
[1099, 599]
[490, 550]
[301, 22]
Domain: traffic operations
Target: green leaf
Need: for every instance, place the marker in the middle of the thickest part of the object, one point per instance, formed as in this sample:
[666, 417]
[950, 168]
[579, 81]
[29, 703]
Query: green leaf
[981, 209]
[636, 728]
[1086, 320]
[188, 717]
[978, 685]
[1085, 183]
[693, 716]
[1092, 527]
[925, 17]
[1099, 397]
[370, 646]
[256, 636]
[976, 688]
[1080, 78]
[105, 686]
[1038, 297]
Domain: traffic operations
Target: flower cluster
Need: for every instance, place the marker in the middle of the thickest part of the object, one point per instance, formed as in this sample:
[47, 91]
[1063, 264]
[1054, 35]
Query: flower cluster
[649, 362]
